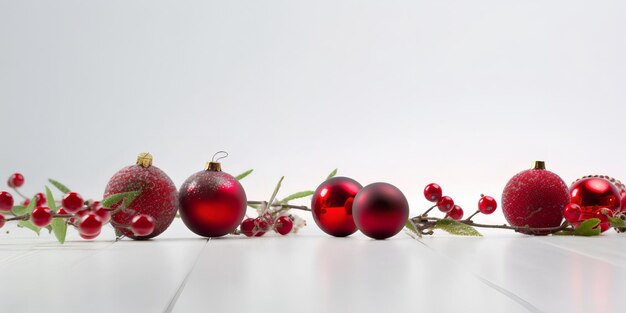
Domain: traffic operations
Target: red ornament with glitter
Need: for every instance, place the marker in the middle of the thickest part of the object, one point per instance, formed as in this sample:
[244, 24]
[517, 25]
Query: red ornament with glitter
[158, 196]
[332, 203]
[535, 198]
[594, 194]
[212, 203]
[380, 210]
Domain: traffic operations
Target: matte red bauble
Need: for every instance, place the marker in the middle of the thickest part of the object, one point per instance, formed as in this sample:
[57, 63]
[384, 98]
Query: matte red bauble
[212, 203]
[380, 210]
[331, 206]
[158, 197]
[535, 198]
[593, 194]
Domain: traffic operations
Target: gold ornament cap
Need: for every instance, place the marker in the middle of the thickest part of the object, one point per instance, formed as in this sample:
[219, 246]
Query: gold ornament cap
[144, 159]
[539, 165]
[213, 165]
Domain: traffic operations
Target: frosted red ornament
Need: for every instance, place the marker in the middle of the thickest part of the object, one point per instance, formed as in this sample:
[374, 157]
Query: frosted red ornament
[212, 203]
[380, 210]
[158, 196]
[331, 206]
[535, 198]
[594, 194]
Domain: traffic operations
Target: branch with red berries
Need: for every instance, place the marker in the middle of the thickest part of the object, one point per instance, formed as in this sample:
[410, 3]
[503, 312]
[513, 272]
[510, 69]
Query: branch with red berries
[88, 217]
[452, 222]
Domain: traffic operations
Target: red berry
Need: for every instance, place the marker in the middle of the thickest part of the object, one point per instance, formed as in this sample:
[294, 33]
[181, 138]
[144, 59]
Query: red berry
[79, 215]
[26, 202]
[284, 224]
[16, 180]
[72, 202]
[432, 192]
[572, 212]
[104, 214]
[268, 218]
[247, 227]
[40, 199]
[603, 213]
[487, 205]
[142, 225]
[90, 224]
[456, 213]
[6, 201]
[2, 220]
[61, 210]
[445, 204]
[261, 227]
[41, 216]
[89, 237]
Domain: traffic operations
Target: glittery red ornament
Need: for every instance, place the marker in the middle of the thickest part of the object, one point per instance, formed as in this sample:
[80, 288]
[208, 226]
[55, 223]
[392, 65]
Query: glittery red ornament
[212, 203]
[535, 198]
[380, 210]
[593, 194]
[158, 197]
[331, 206]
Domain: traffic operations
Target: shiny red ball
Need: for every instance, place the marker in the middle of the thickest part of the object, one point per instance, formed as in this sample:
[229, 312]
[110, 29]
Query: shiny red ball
[247, 227]
[535, 198]
[332, 204]
[158, 198]
[593, 194]
[40, 199]
[456, 213]
[212, 203]
[90, 224]
[380, 210]
[432, 192]
[572, 212]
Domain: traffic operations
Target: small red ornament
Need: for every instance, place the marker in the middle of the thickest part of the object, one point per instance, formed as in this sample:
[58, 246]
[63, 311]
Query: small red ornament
[158, 197]
[332, 204]
[593, 194]
[6, 201]
[380, 210]
[456, 213]
[535, 198]
[212, 203]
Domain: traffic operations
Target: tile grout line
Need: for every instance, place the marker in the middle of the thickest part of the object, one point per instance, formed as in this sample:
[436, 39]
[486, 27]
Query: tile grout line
[505, 292]
[170, 305]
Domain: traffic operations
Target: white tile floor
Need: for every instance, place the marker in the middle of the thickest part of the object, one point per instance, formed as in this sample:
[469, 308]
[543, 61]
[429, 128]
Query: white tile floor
[312, 272]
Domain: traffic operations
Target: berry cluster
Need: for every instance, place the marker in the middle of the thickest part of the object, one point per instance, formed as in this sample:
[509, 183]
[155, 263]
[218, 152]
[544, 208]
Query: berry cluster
[445, 204]
[88, 217]
[257, 227]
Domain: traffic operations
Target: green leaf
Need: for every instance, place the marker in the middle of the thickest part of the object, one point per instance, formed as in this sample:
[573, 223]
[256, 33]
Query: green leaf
[21, 210]
[59, 228]
[51, 204]
[456, 228]
[332, 174]
[244, 174]
[62, 188]
[589, 227]
[297, 195]
[616, 221]
[276, 191]
[409, 224]
[126, 197]
[29, 225]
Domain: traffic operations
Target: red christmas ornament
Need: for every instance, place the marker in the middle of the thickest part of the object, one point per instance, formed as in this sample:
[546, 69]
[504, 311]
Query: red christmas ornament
[535, 198]
[593, 194]
[332, 203]
[380, 210]
[212, 203]
[158, 197]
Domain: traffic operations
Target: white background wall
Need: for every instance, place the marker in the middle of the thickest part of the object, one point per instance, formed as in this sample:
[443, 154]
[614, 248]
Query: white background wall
[463, 93]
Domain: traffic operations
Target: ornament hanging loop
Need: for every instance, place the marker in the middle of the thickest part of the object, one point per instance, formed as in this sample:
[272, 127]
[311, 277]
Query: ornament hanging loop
[224, 154]
[214, 165]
